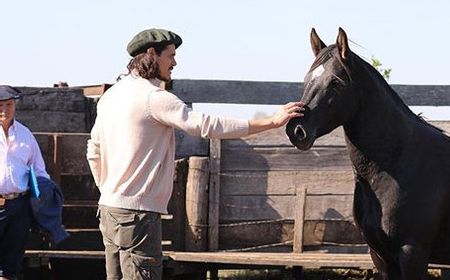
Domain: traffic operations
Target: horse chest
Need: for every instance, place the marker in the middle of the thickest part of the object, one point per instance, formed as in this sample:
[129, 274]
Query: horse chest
[377, 206]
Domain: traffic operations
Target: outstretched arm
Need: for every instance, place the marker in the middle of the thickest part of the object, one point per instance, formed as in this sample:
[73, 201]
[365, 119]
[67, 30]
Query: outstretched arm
[287, 112]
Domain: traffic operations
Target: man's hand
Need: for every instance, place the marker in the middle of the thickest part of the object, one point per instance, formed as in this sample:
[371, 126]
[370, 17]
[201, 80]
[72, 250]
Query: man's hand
[287, 112]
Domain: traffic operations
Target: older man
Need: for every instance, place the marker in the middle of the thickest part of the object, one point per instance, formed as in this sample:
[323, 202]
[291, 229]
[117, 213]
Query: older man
[18, 151]
[132, 149]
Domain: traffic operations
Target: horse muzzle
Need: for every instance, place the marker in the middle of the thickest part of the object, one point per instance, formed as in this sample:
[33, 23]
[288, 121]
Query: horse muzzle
[298, 135]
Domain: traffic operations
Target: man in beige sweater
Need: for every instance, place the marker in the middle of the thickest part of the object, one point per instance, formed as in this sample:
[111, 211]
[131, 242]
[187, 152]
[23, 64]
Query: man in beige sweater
[132, 149]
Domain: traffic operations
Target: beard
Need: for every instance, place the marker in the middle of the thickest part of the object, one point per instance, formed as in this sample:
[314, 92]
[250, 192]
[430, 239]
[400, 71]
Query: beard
[166, 79]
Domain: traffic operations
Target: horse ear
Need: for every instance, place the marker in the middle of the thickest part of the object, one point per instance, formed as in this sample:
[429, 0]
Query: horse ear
[342, 43]
[316, 44]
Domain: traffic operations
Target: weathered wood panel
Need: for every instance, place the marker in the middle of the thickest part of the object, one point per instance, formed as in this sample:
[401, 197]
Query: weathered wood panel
[307, 260]
[315, 233]
[278, 137]
[247, 158]
[285, 182]
[187, 145]
[74, 160]
[51, 121]
[52, 99]
[55, 110]
[255, 92]
[79, 187]
[318, 207]
[74, 149]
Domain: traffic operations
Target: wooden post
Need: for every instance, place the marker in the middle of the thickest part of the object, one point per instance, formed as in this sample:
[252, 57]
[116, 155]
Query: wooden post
[214, 195]
[197, 204]
[55, 150]
[300, 199]
[177, 203]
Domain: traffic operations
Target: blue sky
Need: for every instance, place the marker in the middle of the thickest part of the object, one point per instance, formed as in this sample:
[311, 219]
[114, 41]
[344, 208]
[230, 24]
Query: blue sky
[84, 42]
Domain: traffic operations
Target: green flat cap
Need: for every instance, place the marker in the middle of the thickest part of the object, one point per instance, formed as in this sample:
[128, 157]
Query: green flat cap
[152, 38]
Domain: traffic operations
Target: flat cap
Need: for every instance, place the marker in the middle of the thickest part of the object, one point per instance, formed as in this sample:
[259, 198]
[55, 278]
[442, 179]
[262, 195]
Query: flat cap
[152, 38]
[7, 92]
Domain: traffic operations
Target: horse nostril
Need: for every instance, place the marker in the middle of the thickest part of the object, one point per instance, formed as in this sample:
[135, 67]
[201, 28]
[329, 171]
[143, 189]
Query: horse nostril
[300, 132]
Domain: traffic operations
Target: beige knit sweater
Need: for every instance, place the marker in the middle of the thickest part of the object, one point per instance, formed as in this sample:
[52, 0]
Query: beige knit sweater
[132, 147]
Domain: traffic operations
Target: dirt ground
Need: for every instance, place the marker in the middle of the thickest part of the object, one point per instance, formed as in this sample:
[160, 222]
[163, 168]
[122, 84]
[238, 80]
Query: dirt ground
[322, 274]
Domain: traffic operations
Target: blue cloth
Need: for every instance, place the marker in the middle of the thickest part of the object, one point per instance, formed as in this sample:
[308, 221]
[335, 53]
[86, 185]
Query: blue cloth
[47, 210]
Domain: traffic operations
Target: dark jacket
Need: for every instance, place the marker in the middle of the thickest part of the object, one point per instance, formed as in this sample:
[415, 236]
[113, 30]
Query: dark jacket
[47, 210]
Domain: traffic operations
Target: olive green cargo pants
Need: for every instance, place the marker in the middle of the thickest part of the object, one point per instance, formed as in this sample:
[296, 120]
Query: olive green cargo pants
[132, 242]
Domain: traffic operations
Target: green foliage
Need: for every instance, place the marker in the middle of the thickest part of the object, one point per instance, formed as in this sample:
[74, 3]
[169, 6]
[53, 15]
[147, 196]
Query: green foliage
[376, 63]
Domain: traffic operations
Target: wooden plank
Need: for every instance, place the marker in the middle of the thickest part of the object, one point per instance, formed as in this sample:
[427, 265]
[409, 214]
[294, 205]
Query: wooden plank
[82, 214]
[254, 92]
[214, 195]
[53, 121]
[299, 219]
[285, 182]
[78, 254]
[246, 234]
[74, 155]
[187, 145]
[339, 233]
[74, 149]
[95, 91]
[278, 137]
[52, 99]
[79, 187]
[284, 159]
[209, 91]
[320, 207]
[238, 235]
[424, 95]
[71, 151]
[307, 260]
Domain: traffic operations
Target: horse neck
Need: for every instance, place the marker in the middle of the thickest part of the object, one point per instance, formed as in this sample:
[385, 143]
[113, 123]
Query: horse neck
[377, 132]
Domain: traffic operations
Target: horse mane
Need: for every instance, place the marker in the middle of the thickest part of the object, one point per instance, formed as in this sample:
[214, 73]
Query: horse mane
[394, 95]
[328, 53]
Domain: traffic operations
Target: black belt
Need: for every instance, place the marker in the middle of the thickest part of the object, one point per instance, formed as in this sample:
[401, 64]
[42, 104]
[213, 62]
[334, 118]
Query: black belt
[11, 196]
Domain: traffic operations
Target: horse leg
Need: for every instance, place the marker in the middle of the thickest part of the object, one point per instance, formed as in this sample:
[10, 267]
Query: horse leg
[380, 265]
[413, 262]
[386, 271]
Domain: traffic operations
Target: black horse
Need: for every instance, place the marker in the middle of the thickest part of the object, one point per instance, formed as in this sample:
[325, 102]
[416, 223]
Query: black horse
[401, 163]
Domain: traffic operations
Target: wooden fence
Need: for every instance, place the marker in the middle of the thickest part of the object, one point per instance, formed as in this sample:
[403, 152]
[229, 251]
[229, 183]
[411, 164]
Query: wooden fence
[252, 185]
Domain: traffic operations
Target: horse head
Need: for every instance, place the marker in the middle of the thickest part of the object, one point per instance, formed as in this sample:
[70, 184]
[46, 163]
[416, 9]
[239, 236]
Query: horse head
[328, 95]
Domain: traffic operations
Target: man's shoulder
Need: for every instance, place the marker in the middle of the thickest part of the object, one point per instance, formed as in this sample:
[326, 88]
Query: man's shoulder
[20, 126]
[22, 131]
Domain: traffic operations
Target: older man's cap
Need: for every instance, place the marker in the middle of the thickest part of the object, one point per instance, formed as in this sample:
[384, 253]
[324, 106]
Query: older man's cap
[152, 38]
[7, 92]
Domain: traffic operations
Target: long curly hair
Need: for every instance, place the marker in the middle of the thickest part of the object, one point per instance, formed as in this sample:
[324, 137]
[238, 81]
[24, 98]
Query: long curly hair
[145, 65]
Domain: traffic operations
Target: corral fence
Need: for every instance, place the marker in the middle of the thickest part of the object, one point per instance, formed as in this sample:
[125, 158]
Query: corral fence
[250, 201]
